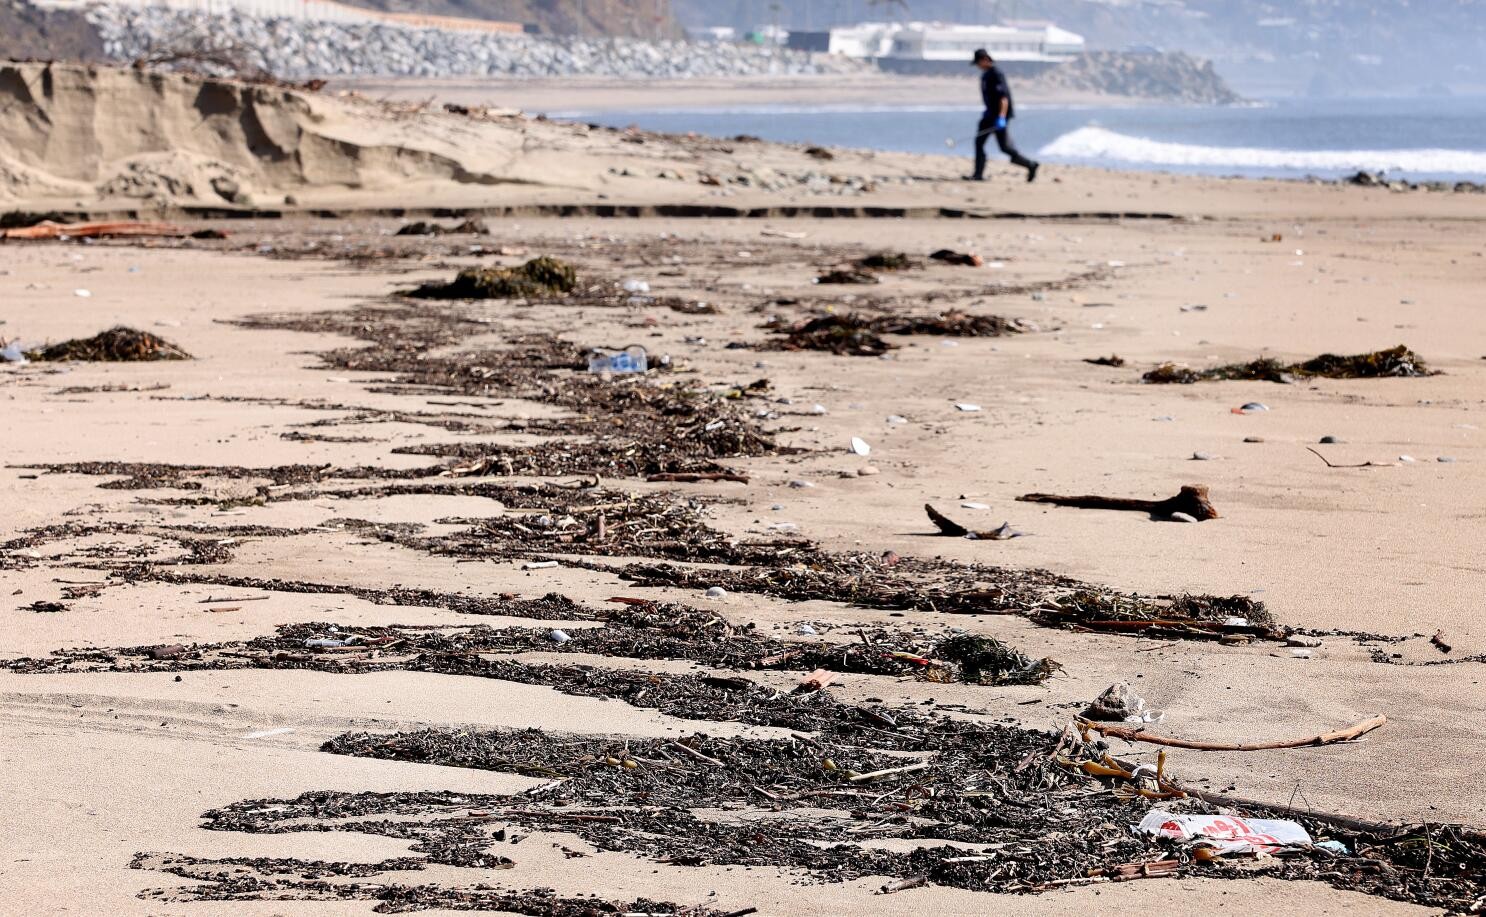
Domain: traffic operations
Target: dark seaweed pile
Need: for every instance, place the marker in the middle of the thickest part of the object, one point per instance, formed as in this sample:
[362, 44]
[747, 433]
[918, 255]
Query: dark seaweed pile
[1395, 362]
[116, 345]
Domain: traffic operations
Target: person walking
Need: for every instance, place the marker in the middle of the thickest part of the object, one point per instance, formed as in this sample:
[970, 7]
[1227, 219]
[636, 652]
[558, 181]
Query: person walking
[996, 95]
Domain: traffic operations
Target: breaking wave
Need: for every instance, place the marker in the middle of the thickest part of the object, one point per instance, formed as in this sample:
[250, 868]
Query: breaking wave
[1099, 144]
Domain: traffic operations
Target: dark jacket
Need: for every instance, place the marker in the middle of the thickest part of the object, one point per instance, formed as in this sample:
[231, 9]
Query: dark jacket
[993, 89]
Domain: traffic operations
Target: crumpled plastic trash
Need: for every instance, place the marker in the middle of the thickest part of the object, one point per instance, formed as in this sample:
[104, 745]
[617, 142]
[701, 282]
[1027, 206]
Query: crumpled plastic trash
[12, 353]
[332, 642]
[1227, 833]
[631, 359]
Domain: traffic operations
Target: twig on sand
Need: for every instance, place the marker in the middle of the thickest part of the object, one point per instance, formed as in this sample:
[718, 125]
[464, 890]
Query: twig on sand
[1330, 464]
[1134, 734]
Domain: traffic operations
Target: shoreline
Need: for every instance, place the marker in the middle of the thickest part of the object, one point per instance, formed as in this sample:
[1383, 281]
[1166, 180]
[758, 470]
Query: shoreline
[608, 94]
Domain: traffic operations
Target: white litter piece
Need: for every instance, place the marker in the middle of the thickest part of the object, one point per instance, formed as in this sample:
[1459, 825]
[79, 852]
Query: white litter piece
[82, 293]
[539, 565]
[974, 506]
[967, 408]
[859, 446]
[1227, 833]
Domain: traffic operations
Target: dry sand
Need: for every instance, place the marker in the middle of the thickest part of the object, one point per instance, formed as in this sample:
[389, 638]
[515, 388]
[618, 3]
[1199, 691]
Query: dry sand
[99, 767]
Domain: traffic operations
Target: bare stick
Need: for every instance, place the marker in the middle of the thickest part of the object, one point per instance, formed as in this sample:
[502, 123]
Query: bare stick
[888, 772]
[694, 753]
[1134, 734]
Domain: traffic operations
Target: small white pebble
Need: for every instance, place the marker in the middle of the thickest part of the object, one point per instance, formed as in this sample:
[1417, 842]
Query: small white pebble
[717, 592]
[1183, 517]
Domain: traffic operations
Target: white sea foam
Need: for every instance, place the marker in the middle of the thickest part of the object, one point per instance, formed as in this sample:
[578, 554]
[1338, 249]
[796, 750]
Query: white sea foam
[1099, 144]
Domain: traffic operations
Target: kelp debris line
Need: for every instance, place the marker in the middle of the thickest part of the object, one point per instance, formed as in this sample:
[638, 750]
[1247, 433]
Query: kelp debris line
[988, 808]
[635, 629]
[585, 526]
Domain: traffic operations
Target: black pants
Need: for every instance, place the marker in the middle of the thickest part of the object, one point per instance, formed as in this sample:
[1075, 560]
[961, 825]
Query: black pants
[1003, 140]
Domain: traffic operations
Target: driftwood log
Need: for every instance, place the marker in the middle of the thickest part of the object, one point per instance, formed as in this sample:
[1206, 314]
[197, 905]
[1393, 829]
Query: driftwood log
[1191, 499]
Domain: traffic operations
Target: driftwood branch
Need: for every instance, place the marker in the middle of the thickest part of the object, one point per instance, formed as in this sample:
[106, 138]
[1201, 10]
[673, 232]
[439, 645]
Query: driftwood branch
[1191, 499]
[689, 477]
[1134, 734]
[953, 529]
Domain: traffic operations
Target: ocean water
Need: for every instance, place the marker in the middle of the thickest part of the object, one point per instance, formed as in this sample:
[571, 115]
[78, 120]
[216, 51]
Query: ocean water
[1414, 138]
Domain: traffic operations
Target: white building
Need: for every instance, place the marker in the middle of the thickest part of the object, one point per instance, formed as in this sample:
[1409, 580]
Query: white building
[938, 46]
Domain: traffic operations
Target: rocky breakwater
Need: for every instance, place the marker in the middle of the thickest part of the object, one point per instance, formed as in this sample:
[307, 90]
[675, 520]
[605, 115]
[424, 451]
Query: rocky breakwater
[1172, 77]
[294, 48]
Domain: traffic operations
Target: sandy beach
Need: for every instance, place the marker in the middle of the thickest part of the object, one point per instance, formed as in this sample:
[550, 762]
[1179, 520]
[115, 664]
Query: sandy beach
[279, 614]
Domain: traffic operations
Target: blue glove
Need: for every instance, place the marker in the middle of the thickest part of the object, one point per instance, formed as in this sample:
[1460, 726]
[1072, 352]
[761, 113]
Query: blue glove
[1001, 123]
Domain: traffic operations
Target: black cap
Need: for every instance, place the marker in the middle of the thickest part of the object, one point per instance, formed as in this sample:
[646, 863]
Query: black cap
[980, 55]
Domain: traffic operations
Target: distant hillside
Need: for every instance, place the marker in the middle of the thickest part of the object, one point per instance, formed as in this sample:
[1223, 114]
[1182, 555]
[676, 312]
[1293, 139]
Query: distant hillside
[629, 18]
[26, 32]
[1322, 46]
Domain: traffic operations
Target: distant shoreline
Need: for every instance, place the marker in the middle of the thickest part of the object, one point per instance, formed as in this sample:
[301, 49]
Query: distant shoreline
[566, 94]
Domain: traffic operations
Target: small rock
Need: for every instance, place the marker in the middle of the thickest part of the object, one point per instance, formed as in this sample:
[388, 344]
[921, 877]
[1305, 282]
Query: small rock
[1406, 459]
[1330, 440]
[1202, 456]
[805, 630]
[1299, 653]
[1182, 517]
[1445, 458]
[559, 636]
[818, 409]
[859, 446]
[967, 408]
[716, 592]
[1301, 640]
[1119, 703]
[1253, 407]
[797, 484]
[82, 293]
[867, 471]
[1253, 439]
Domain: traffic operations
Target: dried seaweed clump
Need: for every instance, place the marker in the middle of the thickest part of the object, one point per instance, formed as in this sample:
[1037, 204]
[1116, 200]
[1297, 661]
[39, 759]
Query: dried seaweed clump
[116, 345]
[542, 276]
[1396, 361]
[858, 335]
[886, 261]
[847, 276]
[848, 335]
[986, 660]
[950, 323]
